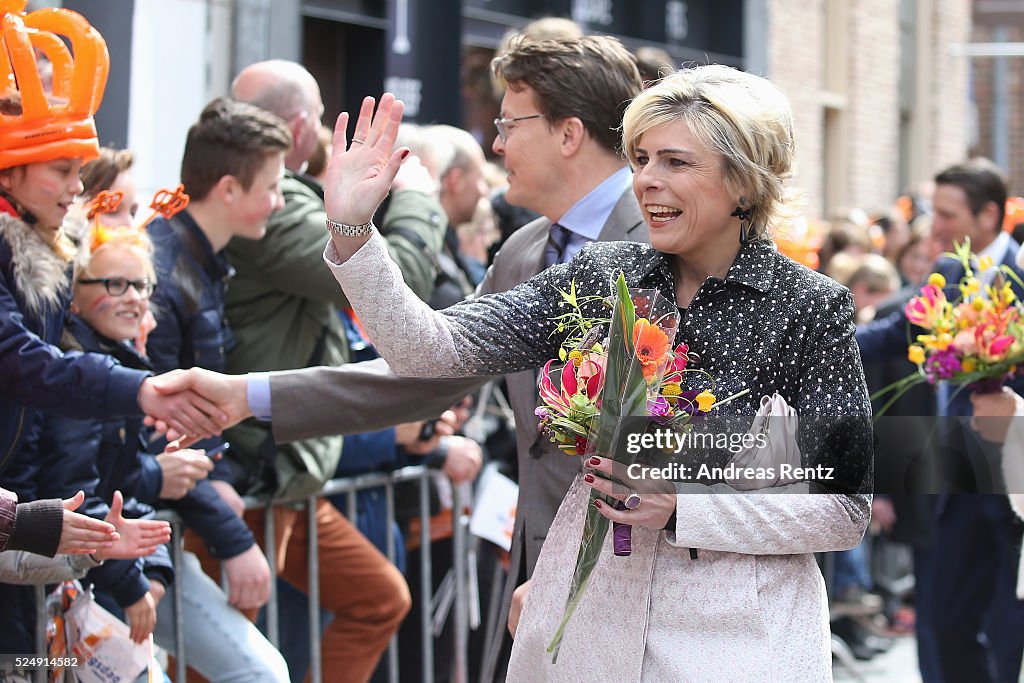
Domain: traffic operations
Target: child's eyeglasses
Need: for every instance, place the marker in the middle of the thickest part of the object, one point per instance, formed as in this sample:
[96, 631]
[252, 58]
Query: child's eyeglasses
[117, 286]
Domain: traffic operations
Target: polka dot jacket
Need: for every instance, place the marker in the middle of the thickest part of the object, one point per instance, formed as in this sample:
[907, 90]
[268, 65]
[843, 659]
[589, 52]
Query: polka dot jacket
[771, 325]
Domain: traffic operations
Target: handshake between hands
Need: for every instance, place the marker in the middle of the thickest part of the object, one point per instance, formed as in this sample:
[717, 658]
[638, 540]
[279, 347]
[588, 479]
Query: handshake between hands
[189, 405]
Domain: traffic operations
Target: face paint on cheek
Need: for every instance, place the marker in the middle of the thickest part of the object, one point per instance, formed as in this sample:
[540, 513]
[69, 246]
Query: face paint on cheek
[103, 304]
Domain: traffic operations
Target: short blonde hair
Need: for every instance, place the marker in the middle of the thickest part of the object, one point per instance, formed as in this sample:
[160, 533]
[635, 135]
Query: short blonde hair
[101, 237]
[743, 118]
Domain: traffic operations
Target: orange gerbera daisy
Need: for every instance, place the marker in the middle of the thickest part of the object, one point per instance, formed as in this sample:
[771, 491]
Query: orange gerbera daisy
[652, 347]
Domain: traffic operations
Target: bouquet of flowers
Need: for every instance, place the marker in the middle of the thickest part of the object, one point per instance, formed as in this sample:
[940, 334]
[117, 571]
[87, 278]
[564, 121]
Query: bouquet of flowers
[634, 372]
[974, 339]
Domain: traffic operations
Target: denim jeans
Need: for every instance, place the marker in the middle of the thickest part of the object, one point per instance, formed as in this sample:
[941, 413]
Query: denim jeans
[220, 643]
[851, 569]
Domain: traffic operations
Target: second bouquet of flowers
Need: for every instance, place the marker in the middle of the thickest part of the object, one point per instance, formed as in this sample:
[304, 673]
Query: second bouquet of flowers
[973, 331]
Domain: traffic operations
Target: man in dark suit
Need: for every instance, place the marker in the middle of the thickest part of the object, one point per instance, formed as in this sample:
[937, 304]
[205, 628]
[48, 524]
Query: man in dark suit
[969, 600]
[558, 132]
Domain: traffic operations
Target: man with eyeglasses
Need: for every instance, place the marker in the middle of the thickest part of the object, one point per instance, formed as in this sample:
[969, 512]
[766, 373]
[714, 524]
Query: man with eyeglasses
[558, 133]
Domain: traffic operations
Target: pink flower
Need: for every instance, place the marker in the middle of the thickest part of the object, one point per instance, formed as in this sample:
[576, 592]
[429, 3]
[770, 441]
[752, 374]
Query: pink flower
[586, 380]
[928, 309]
[992, 344]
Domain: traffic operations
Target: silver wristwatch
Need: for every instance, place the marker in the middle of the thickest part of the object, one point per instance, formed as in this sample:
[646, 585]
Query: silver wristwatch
[346, 230]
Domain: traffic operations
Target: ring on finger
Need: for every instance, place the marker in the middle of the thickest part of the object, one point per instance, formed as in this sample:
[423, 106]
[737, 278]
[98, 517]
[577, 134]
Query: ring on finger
[357, 141]
[632, 501]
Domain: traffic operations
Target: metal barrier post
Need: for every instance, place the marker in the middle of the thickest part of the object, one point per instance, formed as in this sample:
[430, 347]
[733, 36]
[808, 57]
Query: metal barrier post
[389, 535]
[178, 560]
[460, 674]
[41, 618]
[315, 668]
[270, 546]
[426, 582]
[351, 509]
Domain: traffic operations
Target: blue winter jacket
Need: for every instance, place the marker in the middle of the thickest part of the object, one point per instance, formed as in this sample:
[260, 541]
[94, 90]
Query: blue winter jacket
[188, 305]
[34, 374]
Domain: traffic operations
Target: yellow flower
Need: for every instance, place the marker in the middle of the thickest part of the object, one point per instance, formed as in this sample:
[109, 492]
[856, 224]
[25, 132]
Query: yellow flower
[915, 354]
[969, 365]
[937, 280]
[978, 305]
[705, 401]
[984, 263]
[576, 357]
[943, 342]
[671, 392]
[972, 286]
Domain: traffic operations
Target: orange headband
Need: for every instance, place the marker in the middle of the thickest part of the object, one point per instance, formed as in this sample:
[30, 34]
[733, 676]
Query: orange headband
[165, 203]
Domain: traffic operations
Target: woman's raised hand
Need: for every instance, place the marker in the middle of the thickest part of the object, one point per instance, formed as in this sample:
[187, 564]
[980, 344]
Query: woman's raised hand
[359, 174]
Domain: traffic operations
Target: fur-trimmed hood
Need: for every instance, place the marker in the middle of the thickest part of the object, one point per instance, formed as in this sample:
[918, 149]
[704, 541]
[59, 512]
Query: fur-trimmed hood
[40, 273]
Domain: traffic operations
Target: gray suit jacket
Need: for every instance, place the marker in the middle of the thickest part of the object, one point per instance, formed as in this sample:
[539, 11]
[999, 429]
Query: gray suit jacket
[366, 396]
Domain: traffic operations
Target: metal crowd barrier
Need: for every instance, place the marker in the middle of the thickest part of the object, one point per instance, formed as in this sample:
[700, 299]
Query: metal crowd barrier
[345, 485]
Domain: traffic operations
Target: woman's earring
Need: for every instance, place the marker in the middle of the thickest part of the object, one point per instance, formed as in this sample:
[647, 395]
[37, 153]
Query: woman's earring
[744, 216]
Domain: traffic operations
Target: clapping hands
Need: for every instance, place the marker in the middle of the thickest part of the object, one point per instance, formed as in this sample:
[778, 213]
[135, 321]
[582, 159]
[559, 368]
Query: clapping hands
[136, 537]
[113, 538]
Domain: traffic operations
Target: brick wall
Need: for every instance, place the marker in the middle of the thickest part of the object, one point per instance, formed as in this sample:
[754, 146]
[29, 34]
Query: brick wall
[981, 81]
[871, 117]
[796, 64]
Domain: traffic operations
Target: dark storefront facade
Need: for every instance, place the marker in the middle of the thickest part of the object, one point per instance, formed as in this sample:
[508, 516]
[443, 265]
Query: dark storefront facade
[434, 53]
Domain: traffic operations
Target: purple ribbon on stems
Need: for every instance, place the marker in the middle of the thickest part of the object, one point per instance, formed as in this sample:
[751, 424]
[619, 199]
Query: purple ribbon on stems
[622, 535]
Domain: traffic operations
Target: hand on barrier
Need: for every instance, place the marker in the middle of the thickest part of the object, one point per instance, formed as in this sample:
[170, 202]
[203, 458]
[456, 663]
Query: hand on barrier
[141, 618]
[463, 460]
[248, 579]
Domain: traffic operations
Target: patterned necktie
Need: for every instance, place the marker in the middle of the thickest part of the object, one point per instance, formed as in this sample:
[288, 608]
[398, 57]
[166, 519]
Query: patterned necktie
[558, 240]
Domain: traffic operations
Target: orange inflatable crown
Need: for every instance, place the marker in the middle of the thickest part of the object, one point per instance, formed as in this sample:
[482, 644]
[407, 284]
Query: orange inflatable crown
[61, 126]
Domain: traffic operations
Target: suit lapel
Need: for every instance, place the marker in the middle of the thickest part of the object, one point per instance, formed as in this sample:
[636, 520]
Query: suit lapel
[625, 222]
[533, 260]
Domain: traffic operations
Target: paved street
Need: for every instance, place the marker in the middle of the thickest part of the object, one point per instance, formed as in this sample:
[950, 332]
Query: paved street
[898, 665]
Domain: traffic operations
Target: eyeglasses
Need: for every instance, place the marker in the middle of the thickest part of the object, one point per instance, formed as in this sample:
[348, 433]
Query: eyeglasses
[117, 286]
[503, 126]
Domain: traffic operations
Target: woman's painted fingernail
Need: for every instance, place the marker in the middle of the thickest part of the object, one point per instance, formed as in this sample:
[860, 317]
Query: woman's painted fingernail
[589, 478]
[405, 153]
[594, 461]
[597, 503]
